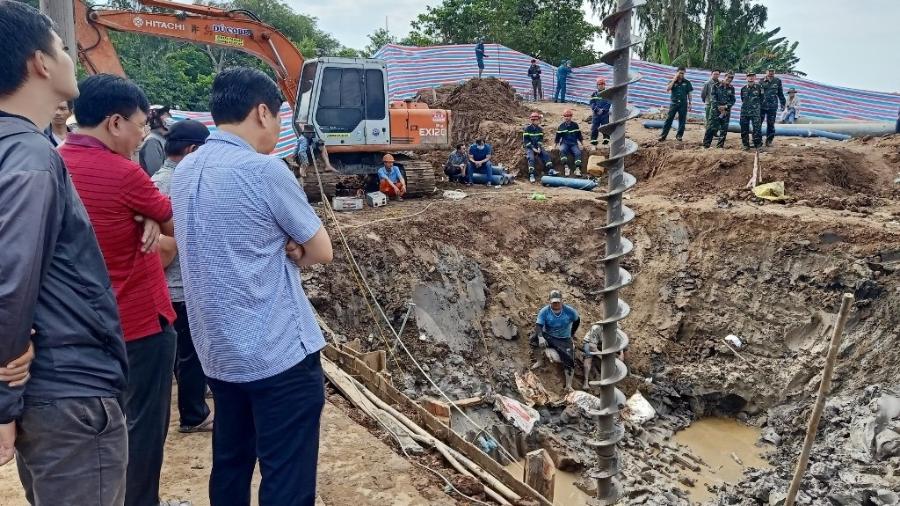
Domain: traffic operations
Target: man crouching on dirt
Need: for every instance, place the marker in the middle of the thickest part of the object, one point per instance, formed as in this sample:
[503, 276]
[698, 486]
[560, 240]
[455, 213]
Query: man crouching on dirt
[556, 324]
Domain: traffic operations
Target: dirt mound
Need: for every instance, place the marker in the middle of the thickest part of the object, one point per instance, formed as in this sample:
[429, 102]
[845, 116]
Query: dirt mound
[833, 178]
[484, 99]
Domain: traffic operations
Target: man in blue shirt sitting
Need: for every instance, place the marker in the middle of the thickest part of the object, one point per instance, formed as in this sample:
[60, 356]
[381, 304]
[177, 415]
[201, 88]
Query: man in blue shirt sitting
[555, 326]
[390, 179]
[480, 160]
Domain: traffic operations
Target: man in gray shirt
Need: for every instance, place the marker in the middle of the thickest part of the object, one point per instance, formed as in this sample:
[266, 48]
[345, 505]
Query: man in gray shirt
[66, 423]
[184, 137]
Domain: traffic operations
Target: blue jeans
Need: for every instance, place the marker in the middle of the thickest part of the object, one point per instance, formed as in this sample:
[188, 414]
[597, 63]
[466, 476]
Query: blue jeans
[277, 420]
[487, 168]
[791, 115]
[560, 94]
[565, 150]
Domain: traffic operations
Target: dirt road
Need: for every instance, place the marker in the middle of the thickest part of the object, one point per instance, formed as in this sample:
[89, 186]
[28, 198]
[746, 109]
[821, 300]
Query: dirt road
[355, 468]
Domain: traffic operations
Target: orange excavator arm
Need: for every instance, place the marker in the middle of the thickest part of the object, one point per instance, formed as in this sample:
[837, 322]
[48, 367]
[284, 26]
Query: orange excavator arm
[194, 23]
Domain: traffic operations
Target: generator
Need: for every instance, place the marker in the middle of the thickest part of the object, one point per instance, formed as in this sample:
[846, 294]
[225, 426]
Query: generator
[376, 199]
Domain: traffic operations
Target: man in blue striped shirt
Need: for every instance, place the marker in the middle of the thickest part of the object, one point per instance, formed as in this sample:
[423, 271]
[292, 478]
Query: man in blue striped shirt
[243, 226]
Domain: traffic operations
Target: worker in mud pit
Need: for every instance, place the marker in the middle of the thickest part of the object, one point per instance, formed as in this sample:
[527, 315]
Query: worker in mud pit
[680, 90]
[600, 109]
[592, 344]
[390, 179]
[706, 92]
[480, 161]
[455, 168]
[721, 100]
[751, 104]
[533, 140]
[773, 99]
[555, 327]
[480, 55]
[569, 142]
[562, 76]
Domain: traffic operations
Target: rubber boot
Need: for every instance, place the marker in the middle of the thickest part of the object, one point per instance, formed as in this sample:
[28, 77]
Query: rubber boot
[578, 167]
[569, 373]
[568, 171]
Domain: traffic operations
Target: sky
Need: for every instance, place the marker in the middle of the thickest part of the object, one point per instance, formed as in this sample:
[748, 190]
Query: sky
[828, 51]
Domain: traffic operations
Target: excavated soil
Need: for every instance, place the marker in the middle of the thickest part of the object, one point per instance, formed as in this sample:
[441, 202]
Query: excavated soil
[710, 260]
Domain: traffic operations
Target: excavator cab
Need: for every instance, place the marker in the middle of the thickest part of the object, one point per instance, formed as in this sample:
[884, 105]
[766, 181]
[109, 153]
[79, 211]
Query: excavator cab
[344, 100]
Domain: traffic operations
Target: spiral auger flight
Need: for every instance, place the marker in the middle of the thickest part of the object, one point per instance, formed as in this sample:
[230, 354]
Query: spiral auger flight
[609, 430]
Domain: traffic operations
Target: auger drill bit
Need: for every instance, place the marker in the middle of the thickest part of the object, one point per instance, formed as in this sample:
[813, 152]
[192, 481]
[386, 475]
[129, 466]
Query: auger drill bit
[609, 429]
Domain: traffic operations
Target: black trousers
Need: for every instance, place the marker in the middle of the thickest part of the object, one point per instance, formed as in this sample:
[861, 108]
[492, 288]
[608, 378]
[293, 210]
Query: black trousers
[146, 401]
[277, 421]
[192, 408]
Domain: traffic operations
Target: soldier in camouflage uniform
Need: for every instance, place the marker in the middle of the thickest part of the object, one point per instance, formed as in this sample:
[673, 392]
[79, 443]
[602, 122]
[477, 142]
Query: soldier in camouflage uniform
[773, 98]
[751, 104]
[680, 90]
[720, 101]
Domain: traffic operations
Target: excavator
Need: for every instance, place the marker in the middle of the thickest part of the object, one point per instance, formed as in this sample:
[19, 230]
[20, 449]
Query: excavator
[343, 100]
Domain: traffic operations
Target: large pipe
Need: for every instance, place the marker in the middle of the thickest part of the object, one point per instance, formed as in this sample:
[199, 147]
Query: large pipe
[609, 430]
[569, 182]
[795, 130]
[496, 178]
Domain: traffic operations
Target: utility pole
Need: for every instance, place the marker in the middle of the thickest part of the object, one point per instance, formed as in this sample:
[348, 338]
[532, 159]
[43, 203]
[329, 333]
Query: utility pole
[62, 12]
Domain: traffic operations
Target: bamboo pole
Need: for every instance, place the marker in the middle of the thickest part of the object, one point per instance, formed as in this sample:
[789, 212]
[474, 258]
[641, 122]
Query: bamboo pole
[819, 406]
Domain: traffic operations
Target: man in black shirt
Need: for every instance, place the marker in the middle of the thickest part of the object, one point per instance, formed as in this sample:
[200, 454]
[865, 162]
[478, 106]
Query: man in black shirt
[66, 423]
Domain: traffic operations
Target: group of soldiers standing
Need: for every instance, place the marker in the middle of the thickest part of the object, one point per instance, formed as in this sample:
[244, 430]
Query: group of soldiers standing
[759, 100]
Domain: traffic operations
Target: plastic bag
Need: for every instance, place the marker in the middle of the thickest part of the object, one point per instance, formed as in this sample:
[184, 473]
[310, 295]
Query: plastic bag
[518, 414]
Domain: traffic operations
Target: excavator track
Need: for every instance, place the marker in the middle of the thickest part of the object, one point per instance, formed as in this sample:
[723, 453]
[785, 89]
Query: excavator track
[419, 180]
[419, 177]
[311, 184]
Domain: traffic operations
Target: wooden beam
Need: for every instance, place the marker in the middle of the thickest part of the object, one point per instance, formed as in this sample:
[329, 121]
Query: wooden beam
[381, 387]
[540, 473]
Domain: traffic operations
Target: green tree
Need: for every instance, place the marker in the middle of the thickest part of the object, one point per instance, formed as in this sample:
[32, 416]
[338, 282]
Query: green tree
[181, 73]
[378, 39]
[728, 34]
[552, 30]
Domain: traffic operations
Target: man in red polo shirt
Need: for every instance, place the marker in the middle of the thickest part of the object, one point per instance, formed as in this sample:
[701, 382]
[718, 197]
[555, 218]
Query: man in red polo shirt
[128, 213]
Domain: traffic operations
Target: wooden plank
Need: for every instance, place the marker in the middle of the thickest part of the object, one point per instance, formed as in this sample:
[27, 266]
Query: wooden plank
[540, 473]
[386, 392]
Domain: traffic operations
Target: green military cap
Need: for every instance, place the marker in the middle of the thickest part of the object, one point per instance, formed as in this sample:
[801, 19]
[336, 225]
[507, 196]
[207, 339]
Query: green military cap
[751, 73]
[729, 74]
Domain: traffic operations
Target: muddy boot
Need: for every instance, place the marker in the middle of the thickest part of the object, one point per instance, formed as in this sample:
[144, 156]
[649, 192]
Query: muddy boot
[531, 178]
[568, 172]
[745, 147]
[569, 373]
[539, 362]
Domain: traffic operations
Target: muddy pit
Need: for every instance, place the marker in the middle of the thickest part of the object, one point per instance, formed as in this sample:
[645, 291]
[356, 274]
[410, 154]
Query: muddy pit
[477, 271]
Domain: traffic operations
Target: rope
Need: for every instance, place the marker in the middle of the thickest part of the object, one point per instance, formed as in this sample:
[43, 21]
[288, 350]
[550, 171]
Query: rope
[356, 275]
[361, 279]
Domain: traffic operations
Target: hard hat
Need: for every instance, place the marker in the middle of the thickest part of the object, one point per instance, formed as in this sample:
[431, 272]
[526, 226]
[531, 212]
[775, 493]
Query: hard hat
[535, 115]
[601, 80]
[387, 158]
[568, 112]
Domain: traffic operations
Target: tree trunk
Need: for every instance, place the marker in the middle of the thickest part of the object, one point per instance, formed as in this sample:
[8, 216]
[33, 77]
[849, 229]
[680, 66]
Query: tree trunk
[63, 14]
[712, 6]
